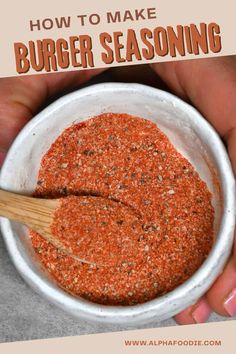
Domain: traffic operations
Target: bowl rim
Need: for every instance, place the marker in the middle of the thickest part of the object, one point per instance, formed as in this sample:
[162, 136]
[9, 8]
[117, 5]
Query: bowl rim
[172, 301]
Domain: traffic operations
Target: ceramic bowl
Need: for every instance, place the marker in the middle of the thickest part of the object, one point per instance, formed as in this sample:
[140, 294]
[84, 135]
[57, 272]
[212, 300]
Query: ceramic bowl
[192, 136]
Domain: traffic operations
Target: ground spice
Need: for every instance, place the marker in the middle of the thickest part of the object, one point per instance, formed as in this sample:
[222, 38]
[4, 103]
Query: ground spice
[145, 221]
[101, 231]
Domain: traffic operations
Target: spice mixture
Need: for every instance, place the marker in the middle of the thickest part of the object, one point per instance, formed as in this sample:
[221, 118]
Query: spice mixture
[101, 231]
[143, 217]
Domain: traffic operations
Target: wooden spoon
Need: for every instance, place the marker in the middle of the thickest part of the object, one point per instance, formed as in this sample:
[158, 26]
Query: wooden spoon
[35, 213]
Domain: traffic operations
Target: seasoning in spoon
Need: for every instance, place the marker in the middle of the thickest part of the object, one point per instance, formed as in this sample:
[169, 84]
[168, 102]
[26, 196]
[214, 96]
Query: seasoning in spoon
[128, 161]
[102, 231]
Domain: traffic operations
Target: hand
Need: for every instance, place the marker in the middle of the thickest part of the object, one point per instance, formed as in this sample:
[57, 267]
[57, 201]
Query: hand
[22, 97]
[210, 85]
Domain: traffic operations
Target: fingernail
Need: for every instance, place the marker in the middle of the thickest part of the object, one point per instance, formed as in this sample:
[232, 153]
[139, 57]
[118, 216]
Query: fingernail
[230, 303]
[201, 313]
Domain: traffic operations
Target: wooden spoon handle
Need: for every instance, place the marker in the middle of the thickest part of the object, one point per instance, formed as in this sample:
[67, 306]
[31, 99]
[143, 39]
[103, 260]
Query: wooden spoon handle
[36, 213]
[33, 212]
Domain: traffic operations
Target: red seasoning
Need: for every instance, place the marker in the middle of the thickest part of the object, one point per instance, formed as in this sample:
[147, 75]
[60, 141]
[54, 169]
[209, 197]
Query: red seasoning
[99, 230]
[144, 218]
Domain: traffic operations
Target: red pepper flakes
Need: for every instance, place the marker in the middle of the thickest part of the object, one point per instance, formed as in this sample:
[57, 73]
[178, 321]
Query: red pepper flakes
[127, 163]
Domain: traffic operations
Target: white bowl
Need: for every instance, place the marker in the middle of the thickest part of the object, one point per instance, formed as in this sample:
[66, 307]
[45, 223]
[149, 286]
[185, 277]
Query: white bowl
[192, 136]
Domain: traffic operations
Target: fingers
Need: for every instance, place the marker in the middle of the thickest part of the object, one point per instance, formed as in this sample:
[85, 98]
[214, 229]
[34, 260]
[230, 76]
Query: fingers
[22, 97]
[210, 84]
[222, 295]
[221, 298]
[198, 313]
